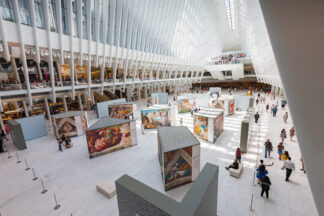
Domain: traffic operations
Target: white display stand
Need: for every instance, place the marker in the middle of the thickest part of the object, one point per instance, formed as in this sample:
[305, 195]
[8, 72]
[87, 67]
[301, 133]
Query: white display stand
[227, 104]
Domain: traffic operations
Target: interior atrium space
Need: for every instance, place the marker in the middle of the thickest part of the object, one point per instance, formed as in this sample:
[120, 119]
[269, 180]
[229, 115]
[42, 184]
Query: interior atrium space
[161, 107]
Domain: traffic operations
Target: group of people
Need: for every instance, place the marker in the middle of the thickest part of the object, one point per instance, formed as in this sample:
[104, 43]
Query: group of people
[283, 155]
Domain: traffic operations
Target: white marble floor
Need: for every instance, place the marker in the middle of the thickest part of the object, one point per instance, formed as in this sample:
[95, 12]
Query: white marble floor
[72, 176]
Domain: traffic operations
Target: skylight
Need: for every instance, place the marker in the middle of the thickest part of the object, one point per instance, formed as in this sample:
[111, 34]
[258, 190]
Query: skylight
[229, 4]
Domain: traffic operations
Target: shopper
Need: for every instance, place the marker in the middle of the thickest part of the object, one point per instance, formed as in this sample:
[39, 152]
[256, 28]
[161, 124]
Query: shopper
[302, 162]
[268, 148]
[290, 166]
[280, 150]
[285, 156]
[267, 107]
[285, 117]
[265, 185]
[292, 133]
[274, 111]
[257, 101]
[1, 145]
[235, 165]
[59, 141]
[261, 172]
[142, 129]
[262, 164]
[181, 122]
[256, 117]
[283, 135]
[238, 155]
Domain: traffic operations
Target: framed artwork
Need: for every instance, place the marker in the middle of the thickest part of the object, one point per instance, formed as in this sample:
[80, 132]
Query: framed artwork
[122, 111]
[153, 118]
[66, 126]
[177, 167]
[105, 140]
[201, 126]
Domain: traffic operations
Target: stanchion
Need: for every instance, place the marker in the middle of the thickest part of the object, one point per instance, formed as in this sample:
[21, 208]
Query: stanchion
[57, 206]
[44, 190]
[35, 178]
[9, 156]
[251, 206]
[18, 161]
[27, 168]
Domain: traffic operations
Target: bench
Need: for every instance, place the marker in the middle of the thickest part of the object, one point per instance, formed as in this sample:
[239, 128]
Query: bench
[106, 189]
[236, 172]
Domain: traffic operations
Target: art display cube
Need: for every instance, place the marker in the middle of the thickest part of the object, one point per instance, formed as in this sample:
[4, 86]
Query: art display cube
[155, 116]
[215, 92]
[208, 125]
[179, 156]
[185, 104]
[246, 130]
[122, 110]
[227, 104]
[72, 123]
[110, 134]
[25, 129]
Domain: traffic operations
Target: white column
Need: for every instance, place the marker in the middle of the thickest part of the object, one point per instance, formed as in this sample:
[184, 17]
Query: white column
[64, 104]
[1, 123]
[4, 39]
[80, 101]
[301, 31]
[47, 109]
[25, 108]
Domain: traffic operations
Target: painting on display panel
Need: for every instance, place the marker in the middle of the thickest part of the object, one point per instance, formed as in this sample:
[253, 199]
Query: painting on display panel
[217, 104]
[84, 122]
[201, 126]
[219, 124]
[105, 140]
[153, 118]
[185, 105]
[177, 167]
[121, 111]
[66, 126]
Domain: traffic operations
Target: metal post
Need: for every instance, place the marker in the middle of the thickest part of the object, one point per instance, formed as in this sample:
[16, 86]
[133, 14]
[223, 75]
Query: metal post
[44, 190]
[57, 206]
[18, 161]
[27, 168]
[35, 178]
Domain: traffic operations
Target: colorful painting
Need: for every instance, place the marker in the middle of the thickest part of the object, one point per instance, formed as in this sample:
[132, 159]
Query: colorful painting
[185, 105]
[66, 126]
[217, 104]
[218, 125]
[231, 106]
[201, 126]
[105, 140]
[84, 122]
[153, 118]
[177, 167]
[122, 111]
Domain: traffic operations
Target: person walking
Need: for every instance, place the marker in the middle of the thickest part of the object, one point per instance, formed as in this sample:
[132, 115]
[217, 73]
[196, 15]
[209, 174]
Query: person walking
[265, 185]
[256, 117]
[238, 155]
[142, 129]
[181, 122]
[292, 133]
[283, 135]
[257, 101]
[280, 150]
[268, 148]
[285, 156]
[285, 117]
[290, 166]
[267, 107]
[302, 162]
[274, 111]
[261, 172]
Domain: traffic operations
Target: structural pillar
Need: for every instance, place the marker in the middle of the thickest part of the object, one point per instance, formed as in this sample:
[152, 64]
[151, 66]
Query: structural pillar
[295, 27]
[64, 104]
[25, 108]
[277, 90]
[80, 101]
